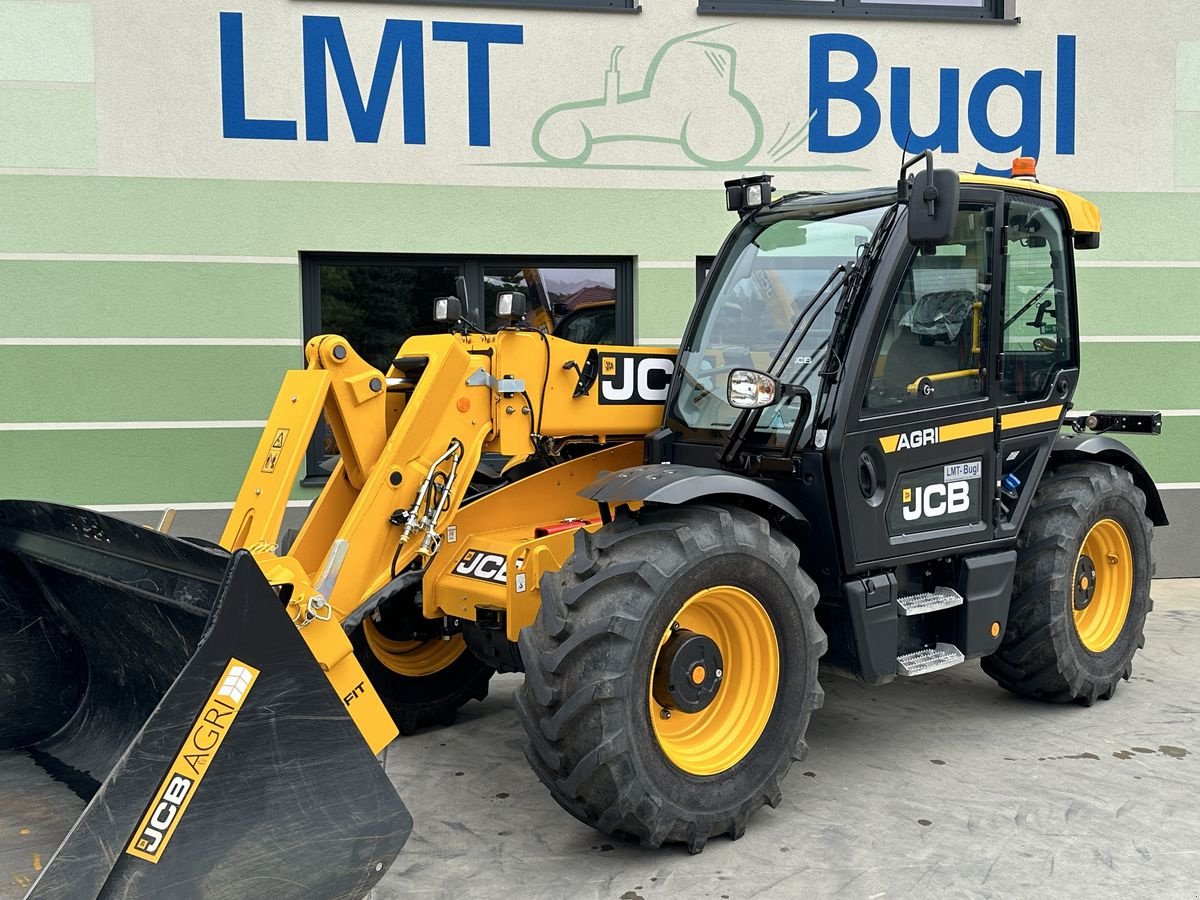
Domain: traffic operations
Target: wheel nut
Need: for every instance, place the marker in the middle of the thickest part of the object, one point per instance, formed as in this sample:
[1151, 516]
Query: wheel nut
[718, 673]
[665, 714]
[674, 626]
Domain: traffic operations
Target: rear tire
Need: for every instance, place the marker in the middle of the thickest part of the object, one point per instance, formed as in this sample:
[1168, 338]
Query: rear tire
[597, 735]
[421, 682]
[1058, 646]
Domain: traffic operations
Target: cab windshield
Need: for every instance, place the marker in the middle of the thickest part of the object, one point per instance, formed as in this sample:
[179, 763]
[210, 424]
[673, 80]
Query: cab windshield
[771, 273]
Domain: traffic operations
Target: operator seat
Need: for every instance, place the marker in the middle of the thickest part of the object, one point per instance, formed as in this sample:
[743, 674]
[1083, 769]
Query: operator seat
[935, 333]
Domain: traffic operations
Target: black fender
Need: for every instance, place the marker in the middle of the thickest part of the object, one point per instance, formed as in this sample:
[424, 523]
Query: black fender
[673, 485]
[1102, 448]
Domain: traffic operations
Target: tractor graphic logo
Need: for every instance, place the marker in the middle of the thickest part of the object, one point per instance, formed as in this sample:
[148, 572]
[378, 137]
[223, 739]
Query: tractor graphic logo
[688, 98]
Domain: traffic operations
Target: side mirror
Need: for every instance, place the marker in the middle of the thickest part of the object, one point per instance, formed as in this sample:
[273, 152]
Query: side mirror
[751, 389]
[510, 305]
[932, 207]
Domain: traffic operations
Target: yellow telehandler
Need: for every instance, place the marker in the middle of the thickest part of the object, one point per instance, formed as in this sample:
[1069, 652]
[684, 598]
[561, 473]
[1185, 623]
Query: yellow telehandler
[862, 453]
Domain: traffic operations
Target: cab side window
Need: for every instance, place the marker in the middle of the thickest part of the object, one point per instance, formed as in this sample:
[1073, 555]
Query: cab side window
[932, 350]
[1036, 329]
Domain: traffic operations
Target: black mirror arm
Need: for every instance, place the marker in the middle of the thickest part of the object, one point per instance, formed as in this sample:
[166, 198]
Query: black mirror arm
[902, 186]
[806, 402]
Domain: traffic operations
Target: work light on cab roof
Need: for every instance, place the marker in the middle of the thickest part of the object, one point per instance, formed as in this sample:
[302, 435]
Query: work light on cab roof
[744, 195]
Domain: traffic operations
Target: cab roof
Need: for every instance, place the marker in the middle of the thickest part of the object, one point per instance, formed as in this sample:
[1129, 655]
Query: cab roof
[1083, 214]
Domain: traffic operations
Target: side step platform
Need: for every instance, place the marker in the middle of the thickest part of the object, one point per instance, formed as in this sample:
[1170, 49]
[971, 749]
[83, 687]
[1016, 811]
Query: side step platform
[931, 601]
[922, 662]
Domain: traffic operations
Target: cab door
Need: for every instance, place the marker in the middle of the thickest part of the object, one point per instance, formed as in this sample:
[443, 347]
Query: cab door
[917, 463]
[1038, 363]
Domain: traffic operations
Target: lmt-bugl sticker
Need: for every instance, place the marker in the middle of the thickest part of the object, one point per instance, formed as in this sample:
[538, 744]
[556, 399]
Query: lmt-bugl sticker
[192, 762]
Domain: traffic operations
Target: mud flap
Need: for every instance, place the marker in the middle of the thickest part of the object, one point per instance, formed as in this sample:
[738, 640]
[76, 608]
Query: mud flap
[216, 757]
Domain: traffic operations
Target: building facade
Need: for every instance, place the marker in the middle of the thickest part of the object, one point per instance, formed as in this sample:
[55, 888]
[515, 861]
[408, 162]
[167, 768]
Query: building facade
[188, 194]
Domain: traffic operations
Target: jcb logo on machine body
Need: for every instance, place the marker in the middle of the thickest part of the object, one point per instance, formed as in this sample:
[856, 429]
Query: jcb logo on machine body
[934, 500]
[483, 566]
[192, 763]
[935, 497]
[629, 378]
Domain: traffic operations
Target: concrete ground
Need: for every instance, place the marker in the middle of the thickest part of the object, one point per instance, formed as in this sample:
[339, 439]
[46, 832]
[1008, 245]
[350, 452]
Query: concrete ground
[942, 786]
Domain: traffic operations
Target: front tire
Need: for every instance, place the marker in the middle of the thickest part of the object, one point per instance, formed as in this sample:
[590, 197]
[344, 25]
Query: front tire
[701, 612]
[421, 681]
[1082, 588]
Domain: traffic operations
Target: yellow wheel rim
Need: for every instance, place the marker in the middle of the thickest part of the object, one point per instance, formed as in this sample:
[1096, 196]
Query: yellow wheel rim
[1103, 586]
[412, 658]
[719, 736]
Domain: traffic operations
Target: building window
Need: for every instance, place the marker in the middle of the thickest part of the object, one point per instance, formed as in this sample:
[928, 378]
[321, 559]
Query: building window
[979, 10]
[597, 5]
[378, 301]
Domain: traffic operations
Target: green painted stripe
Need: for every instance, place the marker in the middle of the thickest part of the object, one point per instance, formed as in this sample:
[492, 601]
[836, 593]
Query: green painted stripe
[665, 298]
[46, 41]
[140, 299]
[77, 214]
[124, 384]
[1137, 376]
[1187, 149]
[1139, 301]
[47, 128]
[74, 214]
[1169, 456]
[98, 467]
[1147, 226]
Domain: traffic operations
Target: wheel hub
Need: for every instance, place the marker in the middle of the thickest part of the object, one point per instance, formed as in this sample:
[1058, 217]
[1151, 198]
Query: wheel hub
[1085, 581]
[688, 673]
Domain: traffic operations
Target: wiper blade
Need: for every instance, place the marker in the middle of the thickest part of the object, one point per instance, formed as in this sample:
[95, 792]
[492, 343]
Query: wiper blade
[747, 419]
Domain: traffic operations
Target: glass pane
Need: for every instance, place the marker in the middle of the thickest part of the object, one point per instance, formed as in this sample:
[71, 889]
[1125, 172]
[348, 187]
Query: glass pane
[1036, 332]
[376, 308]
[556, 300]
[765, 283]
[932, 349]
[971, 4]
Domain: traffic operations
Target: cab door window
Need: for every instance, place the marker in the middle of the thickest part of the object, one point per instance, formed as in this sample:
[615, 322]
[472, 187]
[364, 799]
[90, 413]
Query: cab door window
[933, 347]
[1036, 338]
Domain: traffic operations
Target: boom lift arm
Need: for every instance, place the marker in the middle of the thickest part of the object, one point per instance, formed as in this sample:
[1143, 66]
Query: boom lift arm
[410, 441]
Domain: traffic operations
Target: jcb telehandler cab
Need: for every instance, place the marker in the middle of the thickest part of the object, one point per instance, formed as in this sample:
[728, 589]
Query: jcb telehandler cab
[862, 453]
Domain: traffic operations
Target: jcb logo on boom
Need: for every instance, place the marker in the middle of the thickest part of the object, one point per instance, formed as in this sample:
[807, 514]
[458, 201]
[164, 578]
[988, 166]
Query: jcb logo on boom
[934, 500]
[483, 566]
[635, 378]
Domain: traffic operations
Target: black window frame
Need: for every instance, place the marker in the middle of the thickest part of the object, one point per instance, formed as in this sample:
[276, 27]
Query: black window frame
[704, 267]
[469, 265]
[623, 6]
[1002, 12]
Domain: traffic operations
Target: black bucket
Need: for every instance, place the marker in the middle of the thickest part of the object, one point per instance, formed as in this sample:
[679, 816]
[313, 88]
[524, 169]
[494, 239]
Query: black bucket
[160, 687]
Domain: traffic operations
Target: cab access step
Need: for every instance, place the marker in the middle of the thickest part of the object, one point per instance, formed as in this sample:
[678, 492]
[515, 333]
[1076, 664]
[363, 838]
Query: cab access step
[925, 617]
